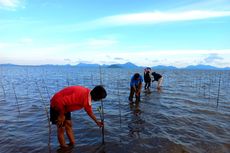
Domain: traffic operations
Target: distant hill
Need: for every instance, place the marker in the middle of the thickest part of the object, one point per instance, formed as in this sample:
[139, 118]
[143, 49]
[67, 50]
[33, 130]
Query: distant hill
[130, 65]
[226, 68]
[84, 65]
[114, 66]
[8, 64]
[201, 67]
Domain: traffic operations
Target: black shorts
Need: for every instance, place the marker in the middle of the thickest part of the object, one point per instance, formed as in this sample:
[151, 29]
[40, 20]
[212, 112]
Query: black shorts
[54, 115]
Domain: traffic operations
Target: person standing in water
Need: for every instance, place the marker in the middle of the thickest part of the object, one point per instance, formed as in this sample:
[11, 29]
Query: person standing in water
[135, 87]
[159, 78]
[147, 78]
[68, 100]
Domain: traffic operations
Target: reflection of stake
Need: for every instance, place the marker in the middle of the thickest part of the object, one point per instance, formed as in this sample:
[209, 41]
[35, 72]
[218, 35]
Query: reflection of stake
[16, 99]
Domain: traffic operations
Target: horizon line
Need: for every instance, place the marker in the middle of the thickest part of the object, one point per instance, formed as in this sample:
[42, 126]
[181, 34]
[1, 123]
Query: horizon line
[12, 64]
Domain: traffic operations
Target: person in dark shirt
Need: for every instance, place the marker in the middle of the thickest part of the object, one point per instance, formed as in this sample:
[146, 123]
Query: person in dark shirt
[147, 78]
[159, 78]
[135, 87]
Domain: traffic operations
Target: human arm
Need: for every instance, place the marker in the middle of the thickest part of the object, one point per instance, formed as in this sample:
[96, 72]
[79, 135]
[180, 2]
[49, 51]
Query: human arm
[138, 90]
[88, 109]
[93, 117]
[61, 118]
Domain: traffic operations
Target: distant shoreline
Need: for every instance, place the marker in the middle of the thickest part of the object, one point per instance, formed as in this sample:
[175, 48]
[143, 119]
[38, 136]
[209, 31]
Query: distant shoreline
[126, 66]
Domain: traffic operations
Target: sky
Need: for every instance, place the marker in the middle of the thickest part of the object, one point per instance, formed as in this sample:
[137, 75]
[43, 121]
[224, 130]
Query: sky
[145, 32]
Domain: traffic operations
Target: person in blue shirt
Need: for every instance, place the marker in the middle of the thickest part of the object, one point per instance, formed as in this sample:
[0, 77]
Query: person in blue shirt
[135, 87]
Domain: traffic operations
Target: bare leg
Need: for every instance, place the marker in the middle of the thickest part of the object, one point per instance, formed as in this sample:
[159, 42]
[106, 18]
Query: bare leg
[131, 94]
[69, 131]
[61, 137]
[159, 82]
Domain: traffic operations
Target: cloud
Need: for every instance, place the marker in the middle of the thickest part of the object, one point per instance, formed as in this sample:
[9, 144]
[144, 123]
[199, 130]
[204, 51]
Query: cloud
[158, 17]
[67, 60]
[212, 58]
[144, 18]
[11, 4]
[119, 58]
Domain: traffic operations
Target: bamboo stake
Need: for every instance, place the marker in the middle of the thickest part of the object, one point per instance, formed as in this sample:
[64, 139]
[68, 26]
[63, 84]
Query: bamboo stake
[4, 92]
[218, 93]
[47, 115]
[46, 88]
[118, 93]
[102, 112]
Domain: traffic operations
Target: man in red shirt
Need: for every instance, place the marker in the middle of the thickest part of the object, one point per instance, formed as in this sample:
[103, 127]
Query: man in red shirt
[70, 99]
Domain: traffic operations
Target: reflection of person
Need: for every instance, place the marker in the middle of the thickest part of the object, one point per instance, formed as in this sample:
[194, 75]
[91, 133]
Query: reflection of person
[70, 99]
[135, 87]
[147, 78]
[157, 77]
[136, 124]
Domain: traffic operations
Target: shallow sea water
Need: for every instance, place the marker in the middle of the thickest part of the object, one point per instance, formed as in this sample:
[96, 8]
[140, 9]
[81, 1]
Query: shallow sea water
[191, 114]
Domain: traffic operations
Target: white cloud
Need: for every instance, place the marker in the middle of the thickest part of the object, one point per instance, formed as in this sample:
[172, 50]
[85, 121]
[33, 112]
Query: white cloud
[144, 18]
[27, 51]
[11, 4]
[213, 58]
[159, 17]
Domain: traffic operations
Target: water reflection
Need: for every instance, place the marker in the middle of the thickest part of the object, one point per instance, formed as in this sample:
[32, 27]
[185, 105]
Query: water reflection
[65, 149]
[159, 90]
[136, 123]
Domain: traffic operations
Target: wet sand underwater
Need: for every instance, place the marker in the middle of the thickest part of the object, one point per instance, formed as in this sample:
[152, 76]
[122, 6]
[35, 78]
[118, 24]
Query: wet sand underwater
[191, 114]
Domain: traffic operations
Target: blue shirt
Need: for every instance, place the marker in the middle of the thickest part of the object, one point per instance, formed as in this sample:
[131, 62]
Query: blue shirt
[136, 82]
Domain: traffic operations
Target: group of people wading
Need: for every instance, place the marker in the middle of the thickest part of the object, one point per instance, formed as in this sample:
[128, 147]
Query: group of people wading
[137, 79]
[74, 98]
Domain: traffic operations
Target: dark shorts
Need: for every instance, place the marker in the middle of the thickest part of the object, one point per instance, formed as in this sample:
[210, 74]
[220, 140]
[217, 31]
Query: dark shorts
[54, 115]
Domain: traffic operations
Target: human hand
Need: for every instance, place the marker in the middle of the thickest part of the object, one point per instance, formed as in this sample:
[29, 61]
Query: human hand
[100, 124]
[60, 121]
[138, 93]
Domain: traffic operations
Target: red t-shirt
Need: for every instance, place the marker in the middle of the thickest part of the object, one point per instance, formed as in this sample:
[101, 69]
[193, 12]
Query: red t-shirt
[72, 98]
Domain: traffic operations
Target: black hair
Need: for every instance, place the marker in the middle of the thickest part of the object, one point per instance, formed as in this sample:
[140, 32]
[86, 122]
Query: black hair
[98, 93]
[136, 75]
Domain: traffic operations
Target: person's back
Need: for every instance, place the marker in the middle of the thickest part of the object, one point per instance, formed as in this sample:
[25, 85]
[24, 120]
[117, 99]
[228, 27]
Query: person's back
[159, 78]
[73, 98]
[136, 80]
[156, 76]
[147, 77]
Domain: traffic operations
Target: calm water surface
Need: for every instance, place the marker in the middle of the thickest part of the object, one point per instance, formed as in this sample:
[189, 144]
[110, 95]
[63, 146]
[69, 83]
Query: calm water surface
[191, 114]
